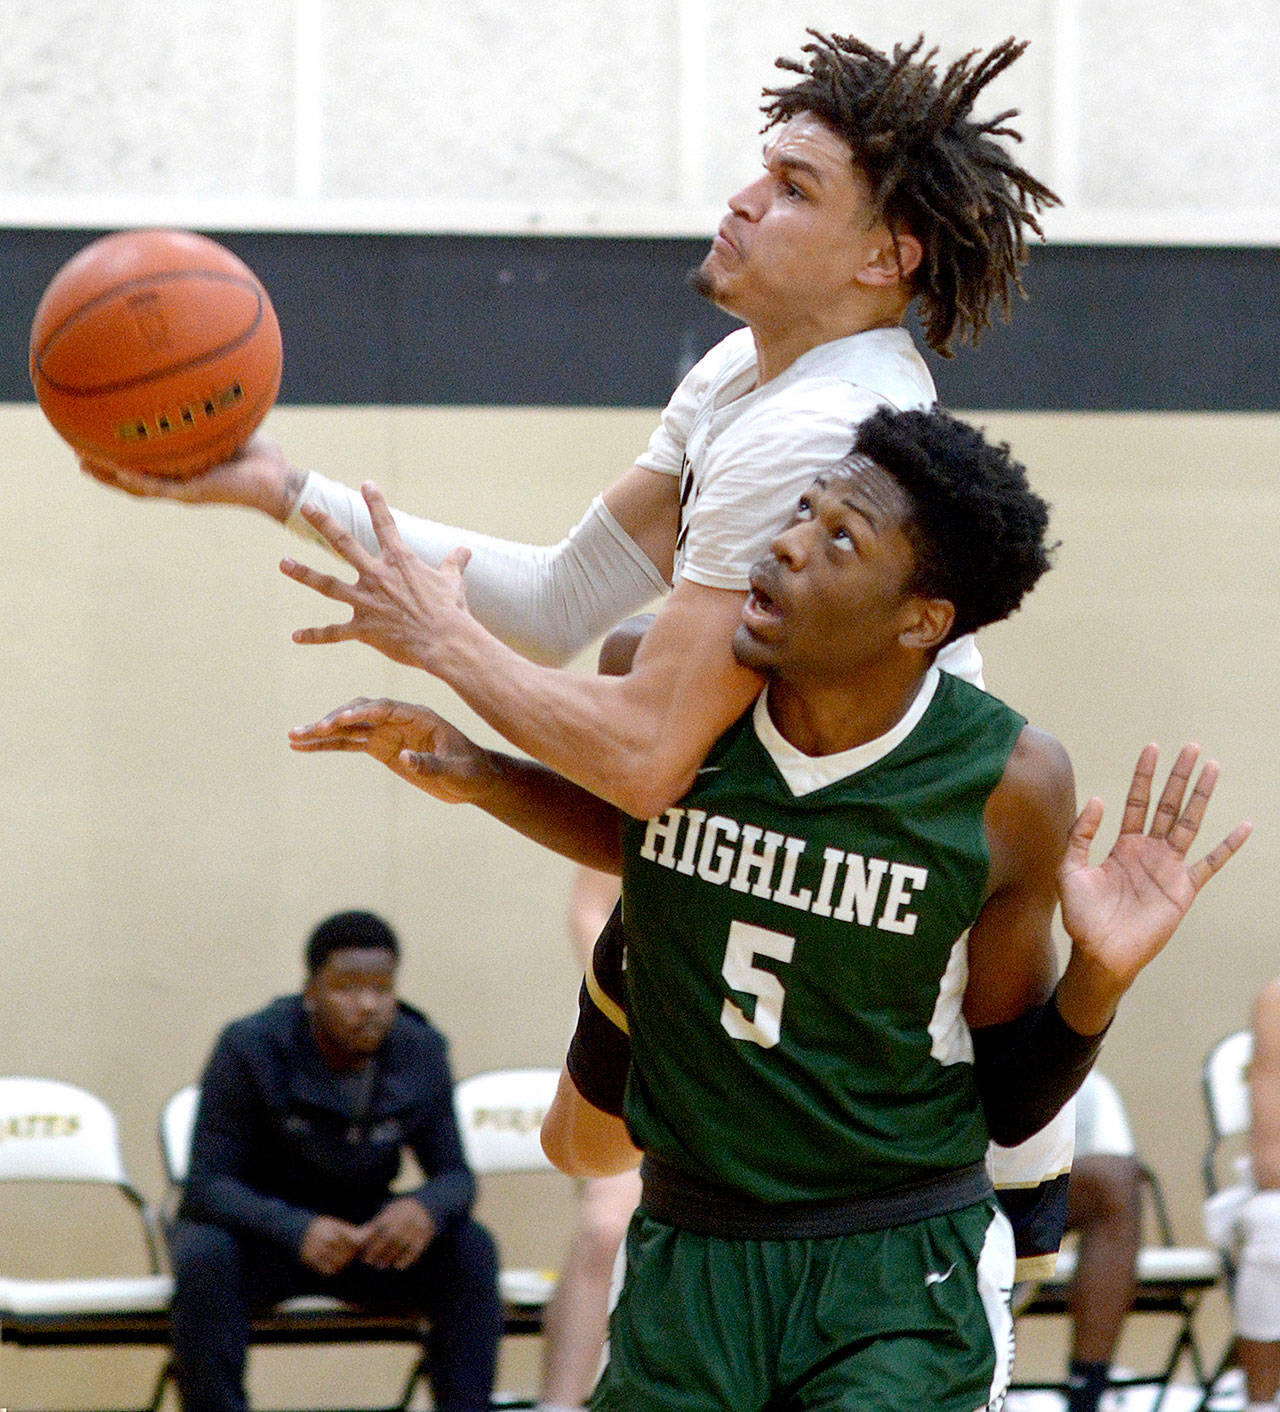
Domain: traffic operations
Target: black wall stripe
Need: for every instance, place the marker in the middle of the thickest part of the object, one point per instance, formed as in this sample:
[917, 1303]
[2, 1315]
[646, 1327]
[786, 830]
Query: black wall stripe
[598, 321]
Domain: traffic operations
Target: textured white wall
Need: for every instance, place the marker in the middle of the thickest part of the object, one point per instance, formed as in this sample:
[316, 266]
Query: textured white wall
[1155, 119]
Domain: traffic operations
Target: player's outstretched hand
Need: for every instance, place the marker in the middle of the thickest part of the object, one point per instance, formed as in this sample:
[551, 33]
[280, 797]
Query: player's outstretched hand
[259, 478]
[399, 603]
[413, 741]
[1121, 913]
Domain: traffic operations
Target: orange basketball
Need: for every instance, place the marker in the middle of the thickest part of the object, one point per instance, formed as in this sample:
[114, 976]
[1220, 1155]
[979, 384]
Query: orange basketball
[157, 350]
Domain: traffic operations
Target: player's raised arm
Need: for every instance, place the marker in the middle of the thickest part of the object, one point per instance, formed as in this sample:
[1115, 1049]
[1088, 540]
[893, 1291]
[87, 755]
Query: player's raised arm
[1121, 913]
[259, 478]
[1032, 1048]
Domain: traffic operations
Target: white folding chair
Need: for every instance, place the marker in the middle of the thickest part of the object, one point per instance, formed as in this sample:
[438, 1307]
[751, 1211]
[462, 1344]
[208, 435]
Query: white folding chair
[500, 1116]
[177, 1123]
[1228, 1182]
[1172, 1279]
[55, 1132]
[1226, 1100]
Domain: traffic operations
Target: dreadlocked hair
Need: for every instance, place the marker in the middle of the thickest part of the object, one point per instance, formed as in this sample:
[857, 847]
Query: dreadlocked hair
[934, 170]
[976, 527]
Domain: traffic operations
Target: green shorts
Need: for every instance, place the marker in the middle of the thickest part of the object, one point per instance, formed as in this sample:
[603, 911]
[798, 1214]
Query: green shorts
[896, 1320]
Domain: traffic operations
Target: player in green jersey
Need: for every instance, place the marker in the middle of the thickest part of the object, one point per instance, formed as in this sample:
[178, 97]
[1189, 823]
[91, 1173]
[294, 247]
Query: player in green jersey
[840, 973]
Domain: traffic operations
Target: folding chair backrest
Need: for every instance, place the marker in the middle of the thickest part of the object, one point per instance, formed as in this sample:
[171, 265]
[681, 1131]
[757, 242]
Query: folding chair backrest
[1102, 1124]
[1226, 1099]
[1226, 1084]
[53, 1131]
[500, 1114]
[177, 1123]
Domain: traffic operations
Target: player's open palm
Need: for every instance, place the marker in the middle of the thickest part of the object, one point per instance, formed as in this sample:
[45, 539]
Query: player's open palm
[1120, 913]
[413, 741]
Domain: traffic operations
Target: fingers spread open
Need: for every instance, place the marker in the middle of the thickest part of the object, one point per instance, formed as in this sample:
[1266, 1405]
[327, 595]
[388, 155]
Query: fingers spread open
[1169, 809]
[326, 584]
[1201, 872]
[341, 541]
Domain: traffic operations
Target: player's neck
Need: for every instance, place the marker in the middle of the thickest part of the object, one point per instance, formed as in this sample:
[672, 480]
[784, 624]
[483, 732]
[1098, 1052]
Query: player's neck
[340, 1059]
[826, 718]
[778, 347]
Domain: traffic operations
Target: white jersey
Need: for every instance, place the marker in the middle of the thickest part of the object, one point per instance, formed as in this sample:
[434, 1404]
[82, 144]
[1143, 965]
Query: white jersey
[746, 453]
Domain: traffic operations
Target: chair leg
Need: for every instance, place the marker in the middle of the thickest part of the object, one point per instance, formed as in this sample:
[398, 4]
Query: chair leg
[1226, 1362]
[417, 1374]
[163, 1379]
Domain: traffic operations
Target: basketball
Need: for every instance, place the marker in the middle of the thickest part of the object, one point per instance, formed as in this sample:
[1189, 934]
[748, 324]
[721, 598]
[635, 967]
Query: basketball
[156, 350]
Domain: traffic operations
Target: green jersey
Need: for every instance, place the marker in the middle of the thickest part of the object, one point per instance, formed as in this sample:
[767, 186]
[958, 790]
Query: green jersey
[796, 955]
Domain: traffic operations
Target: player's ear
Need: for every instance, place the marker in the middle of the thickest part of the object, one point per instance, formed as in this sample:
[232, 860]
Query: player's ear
[892, 259]
[929, 623]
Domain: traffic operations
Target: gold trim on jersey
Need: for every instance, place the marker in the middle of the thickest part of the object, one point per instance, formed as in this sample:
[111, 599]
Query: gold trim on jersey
[608, 1007]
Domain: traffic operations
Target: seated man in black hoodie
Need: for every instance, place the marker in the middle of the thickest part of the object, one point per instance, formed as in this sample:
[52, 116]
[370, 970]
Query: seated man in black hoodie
[305, 1110]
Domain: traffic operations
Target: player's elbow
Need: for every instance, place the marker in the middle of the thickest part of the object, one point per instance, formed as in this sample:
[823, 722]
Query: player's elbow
[571, 1158]
[582, 1141]
[569, 1153]
[653, 784]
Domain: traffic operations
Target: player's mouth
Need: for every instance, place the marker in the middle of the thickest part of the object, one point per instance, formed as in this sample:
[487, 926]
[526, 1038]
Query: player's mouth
[761, 606]
[724, 242]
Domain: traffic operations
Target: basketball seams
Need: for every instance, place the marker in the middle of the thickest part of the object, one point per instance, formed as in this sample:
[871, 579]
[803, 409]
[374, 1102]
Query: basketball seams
[157, 350]
[168, 370]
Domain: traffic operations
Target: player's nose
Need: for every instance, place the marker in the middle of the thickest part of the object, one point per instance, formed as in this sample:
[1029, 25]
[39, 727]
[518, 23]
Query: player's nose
[748, 202]
[789, 548]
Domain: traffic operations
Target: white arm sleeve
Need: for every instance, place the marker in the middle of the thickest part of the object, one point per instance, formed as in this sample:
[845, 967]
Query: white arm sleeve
[546, 602]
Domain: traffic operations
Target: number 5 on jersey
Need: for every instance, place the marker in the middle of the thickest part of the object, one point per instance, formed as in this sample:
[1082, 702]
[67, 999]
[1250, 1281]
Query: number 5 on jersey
[746, 942]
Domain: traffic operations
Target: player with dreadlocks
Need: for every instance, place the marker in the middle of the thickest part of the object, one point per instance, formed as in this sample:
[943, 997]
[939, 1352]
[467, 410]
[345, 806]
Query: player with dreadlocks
[879, 187]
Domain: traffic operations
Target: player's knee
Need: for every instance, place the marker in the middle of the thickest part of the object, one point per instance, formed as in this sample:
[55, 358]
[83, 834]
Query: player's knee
[205, 1257]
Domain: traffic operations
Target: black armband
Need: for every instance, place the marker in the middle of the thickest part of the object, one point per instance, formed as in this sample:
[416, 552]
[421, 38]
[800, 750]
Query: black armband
[1028, 1068]
[600, 1052]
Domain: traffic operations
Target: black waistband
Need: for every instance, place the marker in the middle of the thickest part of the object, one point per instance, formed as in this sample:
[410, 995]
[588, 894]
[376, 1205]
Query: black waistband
[680, 1200]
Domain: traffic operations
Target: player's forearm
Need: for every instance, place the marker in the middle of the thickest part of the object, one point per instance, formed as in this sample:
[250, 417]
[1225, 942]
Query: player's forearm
[620, 745]
[544, 806]
[635, 740]
[1027, 1069]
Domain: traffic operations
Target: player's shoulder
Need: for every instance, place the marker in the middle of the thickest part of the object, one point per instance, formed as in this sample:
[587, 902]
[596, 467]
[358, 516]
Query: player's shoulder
[1040, 768]
[878, 367]
[1033, 805]
[734, 354]
[275, 1021]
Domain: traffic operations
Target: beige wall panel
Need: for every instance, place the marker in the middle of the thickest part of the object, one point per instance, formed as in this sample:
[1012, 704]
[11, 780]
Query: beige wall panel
[165, 853]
